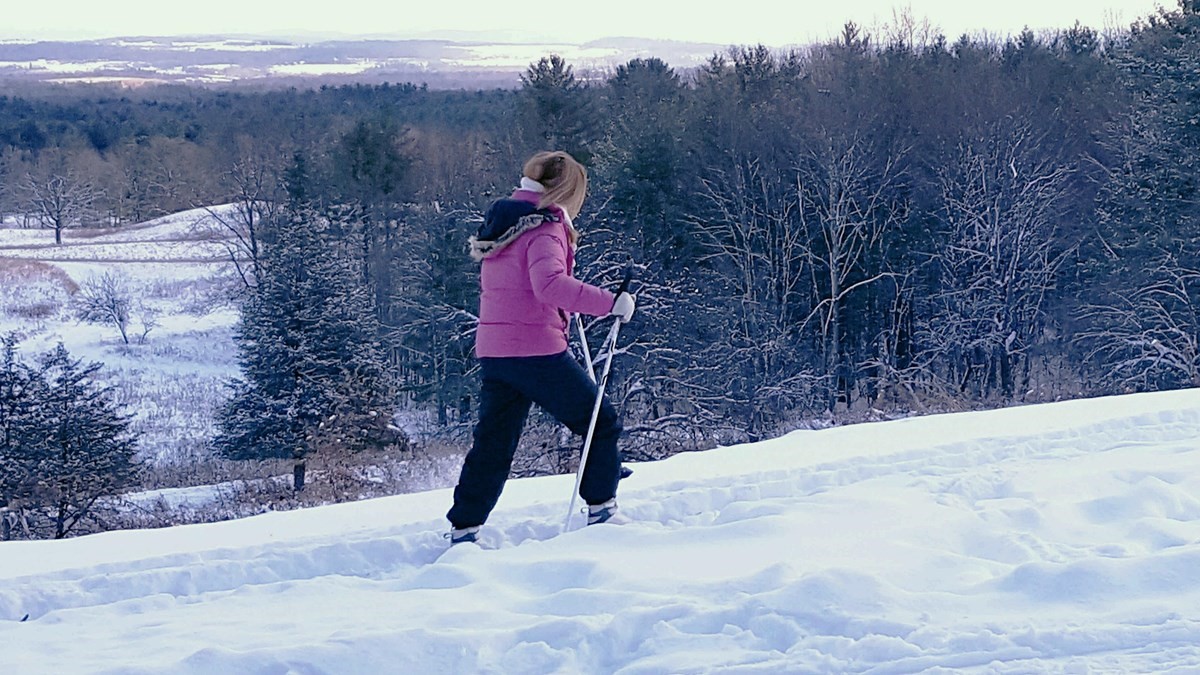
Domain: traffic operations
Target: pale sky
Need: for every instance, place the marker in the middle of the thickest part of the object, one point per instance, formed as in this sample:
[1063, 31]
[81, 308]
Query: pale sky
[770, 22]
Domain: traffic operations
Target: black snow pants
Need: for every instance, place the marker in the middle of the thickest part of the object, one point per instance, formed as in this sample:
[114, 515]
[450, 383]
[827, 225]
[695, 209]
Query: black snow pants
[560, 386]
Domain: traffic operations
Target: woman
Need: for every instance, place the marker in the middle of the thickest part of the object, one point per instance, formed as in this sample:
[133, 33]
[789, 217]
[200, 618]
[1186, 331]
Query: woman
[527, 250]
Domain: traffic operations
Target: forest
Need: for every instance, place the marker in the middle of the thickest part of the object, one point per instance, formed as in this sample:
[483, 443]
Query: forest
[886, 224]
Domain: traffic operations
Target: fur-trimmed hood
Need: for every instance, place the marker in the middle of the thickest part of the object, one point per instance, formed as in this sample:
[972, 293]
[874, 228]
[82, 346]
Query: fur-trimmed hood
[505, 220]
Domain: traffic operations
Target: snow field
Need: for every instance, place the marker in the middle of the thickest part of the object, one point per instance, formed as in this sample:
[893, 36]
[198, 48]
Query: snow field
[177, 272]
[1057, 538]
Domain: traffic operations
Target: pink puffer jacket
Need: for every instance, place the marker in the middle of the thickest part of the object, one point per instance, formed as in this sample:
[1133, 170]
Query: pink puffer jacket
[528, 293]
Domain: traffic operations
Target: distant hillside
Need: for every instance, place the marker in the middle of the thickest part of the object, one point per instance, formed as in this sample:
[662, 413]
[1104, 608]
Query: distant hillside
[214, 60]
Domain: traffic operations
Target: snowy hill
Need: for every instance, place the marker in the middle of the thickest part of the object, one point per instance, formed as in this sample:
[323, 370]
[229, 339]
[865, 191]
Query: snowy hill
[1055, 538]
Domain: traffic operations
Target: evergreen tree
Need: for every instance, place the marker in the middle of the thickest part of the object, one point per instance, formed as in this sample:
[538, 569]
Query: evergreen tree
[639, 190]
[1145, 312]
[556, 107]
[314, 376]
[20, 419]
[645, 161]
[64, 444]
[88, 453]
[435, 296]
[373, 159]
[371, 163]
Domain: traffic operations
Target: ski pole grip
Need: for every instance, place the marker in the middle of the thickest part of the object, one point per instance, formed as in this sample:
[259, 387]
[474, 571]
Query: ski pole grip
[624, 287]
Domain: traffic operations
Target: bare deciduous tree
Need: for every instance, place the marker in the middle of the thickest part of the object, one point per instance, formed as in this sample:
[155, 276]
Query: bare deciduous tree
[1002, 198]
[1149, 337]
[58, 198]
[846, 187]
[254, 184]
[757, 238]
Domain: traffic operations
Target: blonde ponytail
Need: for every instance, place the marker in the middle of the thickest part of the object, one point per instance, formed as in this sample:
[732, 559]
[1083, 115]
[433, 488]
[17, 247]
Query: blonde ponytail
[565, 180]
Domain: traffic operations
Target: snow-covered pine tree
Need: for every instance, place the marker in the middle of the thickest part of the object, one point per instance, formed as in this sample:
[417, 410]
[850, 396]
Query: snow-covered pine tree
[64, 443]
[1145, 265]
[89, 452]
[432, 323]
[555, 108]
[314, 374]
[18, 425]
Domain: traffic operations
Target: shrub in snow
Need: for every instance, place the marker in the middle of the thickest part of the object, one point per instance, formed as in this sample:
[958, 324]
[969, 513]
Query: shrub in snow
[108, 299]
[33, 290]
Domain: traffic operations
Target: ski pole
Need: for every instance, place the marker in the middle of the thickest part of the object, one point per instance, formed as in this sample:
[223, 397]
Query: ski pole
[610, 343]
[587, 353]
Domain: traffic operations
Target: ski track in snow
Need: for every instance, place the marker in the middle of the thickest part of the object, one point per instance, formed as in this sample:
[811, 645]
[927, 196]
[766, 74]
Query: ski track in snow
[1023, 543]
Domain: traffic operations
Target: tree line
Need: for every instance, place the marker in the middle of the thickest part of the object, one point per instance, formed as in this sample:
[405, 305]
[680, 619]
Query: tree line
[876, 225]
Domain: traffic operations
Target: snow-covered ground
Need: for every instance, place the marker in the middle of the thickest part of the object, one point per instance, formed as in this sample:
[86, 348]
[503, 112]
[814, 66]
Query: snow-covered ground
[1061, 538]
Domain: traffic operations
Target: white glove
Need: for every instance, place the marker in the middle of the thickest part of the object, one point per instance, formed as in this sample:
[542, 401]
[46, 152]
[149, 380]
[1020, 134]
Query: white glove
[623, 307]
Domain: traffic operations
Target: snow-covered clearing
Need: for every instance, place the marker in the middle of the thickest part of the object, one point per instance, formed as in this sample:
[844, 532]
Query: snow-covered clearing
[1060, 538]
[178, 273]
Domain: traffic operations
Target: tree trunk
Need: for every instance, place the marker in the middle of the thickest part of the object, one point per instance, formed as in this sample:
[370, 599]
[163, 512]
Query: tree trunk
[298, 475]
[60, 521]
[1006, 374]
